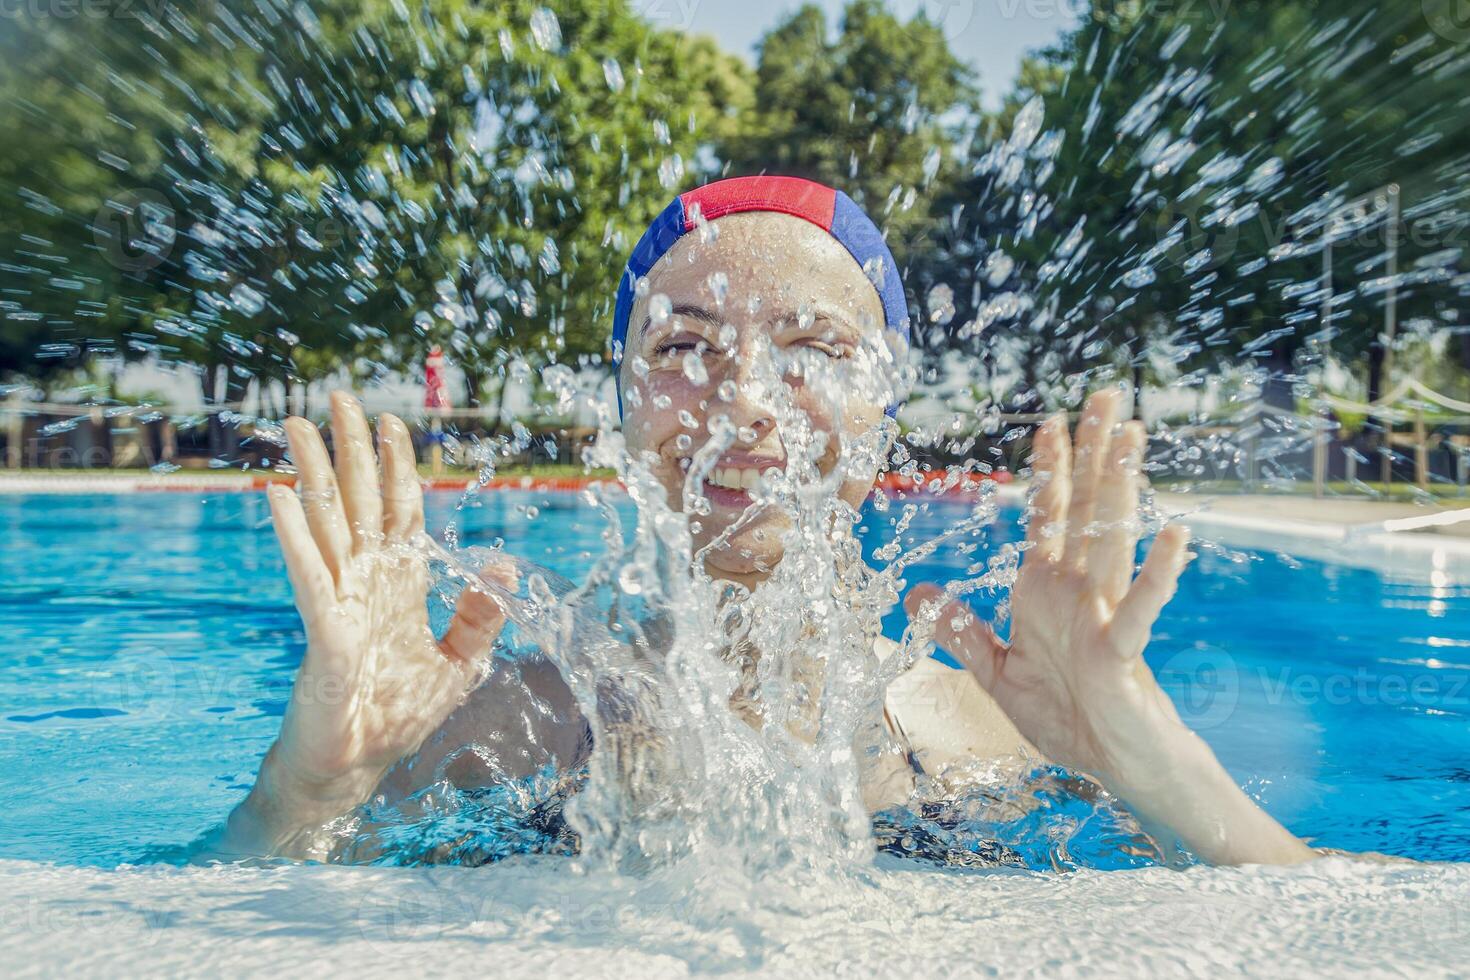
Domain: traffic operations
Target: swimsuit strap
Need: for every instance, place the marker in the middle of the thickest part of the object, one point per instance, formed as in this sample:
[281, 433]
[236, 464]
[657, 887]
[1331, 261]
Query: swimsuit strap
[896, 730]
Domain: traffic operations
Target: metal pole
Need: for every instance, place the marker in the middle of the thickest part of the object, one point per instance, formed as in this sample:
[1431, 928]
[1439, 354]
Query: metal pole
[1319, 455]
[15, 432]
[1421, 450]
[1319, 437]
[1390, 324]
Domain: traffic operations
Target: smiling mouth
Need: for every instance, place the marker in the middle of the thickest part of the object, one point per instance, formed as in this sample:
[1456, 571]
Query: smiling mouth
[738, 479]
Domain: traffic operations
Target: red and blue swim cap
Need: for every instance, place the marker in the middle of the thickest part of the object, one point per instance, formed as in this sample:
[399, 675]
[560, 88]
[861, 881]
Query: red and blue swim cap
[829, 209]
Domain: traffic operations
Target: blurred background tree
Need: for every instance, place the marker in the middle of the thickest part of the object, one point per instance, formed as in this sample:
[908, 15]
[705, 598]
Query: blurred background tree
[344, 184]
[1202, 157]
[871, 109]
[276, 191]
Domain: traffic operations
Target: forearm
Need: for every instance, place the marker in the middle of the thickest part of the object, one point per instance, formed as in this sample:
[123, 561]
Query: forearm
[1181, 786]
[282, 817]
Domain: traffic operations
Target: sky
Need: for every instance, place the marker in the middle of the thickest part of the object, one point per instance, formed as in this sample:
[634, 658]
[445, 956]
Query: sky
[993, 35]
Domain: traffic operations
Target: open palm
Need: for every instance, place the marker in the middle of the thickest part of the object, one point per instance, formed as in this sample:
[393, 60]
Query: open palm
[375, 682]
[1072, 678]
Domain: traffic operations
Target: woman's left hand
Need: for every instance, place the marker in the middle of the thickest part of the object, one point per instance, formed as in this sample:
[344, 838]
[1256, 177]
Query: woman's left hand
[1072, 678]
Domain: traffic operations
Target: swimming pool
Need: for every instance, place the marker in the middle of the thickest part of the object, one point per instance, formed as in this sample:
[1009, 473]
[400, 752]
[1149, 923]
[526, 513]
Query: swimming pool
[151, 642]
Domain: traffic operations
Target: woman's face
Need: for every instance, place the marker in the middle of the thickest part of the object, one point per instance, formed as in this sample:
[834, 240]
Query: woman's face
[769, 310]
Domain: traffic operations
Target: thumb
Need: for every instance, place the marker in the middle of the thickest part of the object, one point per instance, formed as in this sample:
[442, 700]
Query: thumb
[478, 620]
[919, 595]
[958, 630]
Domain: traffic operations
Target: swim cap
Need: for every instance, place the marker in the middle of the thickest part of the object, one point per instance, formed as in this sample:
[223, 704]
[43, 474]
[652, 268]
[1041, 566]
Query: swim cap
[829, 209]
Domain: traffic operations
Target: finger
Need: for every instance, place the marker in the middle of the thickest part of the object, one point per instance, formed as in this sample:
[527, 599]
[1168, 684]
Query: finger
[357, 472]
[958, 631]
[1094, 434]
[1151, 591]
[1110, 554]
[319, 497]
[311, 582]
[403, 495]
[1050, 467]
[478, 620]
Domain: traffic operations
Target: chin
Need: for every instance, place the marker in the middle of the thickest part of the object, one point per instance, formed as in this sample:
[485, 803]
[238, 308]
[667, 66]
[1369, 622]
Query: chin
[753, 551]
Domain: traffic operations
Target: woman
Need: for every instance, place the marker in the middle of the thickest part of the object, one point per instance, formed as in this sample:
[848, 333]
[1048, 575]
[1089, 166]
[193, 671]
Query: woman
[745, 305]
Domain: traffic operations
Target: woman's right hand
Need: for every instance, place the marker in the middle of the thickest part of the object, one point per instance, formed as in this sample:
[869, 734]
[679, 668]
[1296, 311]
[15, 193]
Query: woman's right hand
[374, 682]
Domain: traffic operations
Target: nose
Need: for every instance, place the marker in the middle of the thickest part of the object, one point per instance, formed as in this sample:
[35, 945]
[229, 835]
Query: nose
[743, 378]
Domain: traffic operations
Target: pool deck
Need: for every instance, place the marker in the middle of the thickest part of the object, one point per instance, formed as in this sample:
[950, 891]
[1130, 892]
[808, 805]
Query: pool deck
[1345, 512]
[1384, 535]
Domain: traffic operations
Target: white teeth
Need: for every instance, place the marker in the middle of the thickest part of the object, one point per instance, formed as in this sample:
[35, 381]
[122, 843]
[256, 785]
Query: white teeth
[734, 478]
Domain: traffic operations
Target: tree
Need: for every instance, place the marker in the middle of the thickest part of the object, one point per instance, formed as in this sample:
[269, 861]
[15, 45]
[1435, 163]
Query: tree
[1172, 201]
[871, 111]
[352, 182]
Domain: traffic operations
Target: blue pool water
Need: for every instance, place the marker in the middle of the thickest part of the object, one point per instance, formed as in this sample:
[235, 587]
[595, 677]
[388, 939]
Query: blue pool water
[150, 642]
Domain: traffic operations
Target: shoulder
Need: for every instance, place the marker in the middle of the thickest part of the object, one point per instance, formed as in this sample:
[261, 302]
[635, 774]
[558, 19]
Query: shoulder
[947, 717]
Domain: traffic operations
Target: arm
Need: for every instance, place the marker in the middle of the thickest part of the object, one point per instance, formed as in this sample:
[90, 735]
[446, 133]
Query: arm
[374, 682]
[1073, 677]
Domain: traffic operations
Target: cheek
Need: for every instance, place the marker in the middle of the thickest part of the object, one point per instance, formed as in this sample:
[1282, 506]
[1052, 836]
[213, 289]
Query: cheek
[854, 418]
[862, 418]
[662, 397]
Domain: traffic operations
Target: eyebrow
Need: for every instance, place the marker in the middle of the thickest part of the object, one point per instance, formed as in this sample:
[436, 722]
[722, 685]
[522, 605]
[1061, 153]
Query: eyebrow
[820, 313]
[689, 310]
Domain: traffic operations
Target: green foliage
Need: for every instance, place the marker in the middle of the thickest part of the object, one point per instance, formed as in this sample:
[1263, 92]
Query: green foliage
[870, 110]
[359, 181]
[285, 189]
[1208, 142]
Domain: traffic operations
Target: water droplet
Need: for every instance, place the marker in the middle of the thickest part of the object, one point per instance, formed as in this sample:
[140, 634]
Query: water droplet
[613, 72]
[719, 286]
[671, 170]
[247, 300]
[694, 368]
[1027, 125]
[660, 308]
[998, 268]
[1138, 278]
[545, 29]
[941, 304]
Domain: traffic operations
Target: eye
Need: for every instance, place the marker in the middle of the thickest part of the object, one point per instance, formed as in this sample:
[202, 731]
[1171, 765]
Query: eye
[836, 350]
[681, 345]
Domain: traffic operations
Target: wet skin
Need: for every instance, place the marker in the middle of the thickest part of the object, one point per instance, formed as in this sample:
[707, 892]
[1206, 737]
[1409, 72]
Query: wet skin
[1072, 682]
[792, 293]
